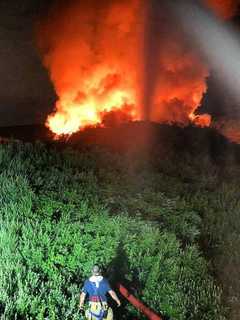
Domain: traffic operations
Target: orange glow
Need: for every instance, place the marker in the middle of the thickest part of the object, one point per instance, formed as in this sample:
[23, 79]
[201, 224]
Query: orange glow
[223, 8]
[72, 115]
[94, 54]
[202, 120]
[230, 128]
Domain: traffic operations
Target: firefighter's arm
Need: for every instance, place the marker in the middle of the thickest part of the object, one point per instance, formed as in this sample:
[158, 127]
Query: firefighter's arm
[82, 299]
[114, 297]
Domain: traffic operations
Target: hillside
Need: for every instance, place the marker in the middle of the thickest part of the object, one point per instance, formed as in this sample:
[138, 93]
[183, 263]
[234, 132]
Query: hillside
[132, 136]
[157, 206]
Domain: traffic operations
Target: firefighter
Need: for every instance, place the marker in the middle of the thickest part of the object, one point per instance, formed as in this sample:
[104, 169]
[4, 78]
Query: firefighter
[96, 288]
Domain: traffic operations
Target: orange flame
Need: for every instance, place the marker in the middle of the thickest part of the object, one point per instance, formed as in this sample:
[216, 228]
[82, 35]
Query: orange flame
[77, 110]
[94, 53]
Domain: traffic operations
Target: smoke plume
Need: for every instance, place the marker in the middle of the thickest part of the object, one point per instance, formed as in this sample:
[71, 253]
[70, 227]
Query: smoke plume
[121, 60]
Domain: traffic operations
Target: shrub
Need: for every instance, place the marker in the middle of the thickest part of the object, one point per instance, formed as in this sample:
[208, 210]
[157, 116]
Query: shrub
[55, 225]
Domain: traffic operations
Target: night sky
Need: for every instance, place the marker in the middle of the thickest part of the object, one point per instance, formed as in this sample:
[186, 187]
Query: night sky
[26, 93]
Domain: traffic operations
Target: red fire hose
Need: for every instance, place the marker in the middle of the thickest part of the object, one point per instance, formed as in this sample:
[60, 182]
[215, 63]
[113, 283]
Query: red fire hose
[138, 304]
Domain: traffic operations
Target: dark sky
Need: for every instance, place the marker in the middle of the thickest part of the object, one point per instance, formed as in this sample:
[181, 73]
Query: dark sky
[26, 93]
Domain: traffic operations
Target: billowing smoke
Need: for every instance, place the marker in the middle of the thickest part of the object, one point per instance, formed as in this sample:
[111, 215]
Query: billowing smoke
[224, 8]
[219, 42]
[122, 60]
[90, 51]
[174, 73]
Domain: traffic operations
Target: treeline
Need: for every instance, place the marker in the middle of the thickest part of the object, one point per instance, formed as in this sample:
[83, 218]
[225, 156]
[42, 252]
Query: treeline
[166, 228]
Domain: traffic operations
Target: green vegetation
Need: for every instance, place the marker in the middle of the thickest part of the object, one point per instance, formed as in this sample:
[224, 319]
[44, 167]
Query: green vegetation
[168, 229]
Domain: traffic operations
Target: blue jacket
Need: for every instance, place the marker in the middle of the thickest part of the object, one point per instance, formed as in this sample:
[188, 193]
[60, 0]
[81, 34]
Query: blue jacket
[96, 291]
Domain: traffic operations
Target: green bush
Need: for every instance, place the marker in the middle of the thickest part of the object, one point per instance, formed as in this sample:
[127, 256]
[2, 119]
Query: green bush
[55, 224]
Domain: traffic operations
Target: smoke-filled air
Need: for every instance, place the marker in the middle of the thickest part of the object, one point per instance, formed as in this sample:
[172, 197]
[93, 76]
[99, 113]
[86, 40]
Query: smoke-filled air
[110, 63]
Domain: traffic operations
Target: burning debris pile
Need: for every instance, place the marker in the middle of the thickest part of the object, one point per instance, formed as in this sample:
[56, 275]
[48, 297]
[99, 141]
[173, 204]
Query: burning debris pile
[121, 60]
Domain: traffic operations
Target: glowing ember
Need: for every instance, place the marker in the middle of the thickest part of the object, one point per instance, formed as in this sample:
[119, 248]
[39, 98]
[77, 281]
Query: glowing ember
[203, 120]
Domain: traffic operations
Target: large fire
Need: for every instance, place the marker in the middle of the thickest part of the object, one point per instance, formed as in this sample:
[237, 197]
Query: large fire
[100, 94]
[95, 52]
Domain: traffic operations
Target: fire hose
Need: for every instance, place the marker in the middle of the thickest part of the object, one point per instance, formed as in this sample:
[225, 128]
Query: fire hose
[138, 304]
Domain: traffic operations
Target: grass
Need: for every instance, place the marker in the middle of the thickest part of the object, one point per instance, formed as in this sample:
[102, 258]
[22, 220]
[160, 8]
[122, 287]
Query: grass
[169, 231]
